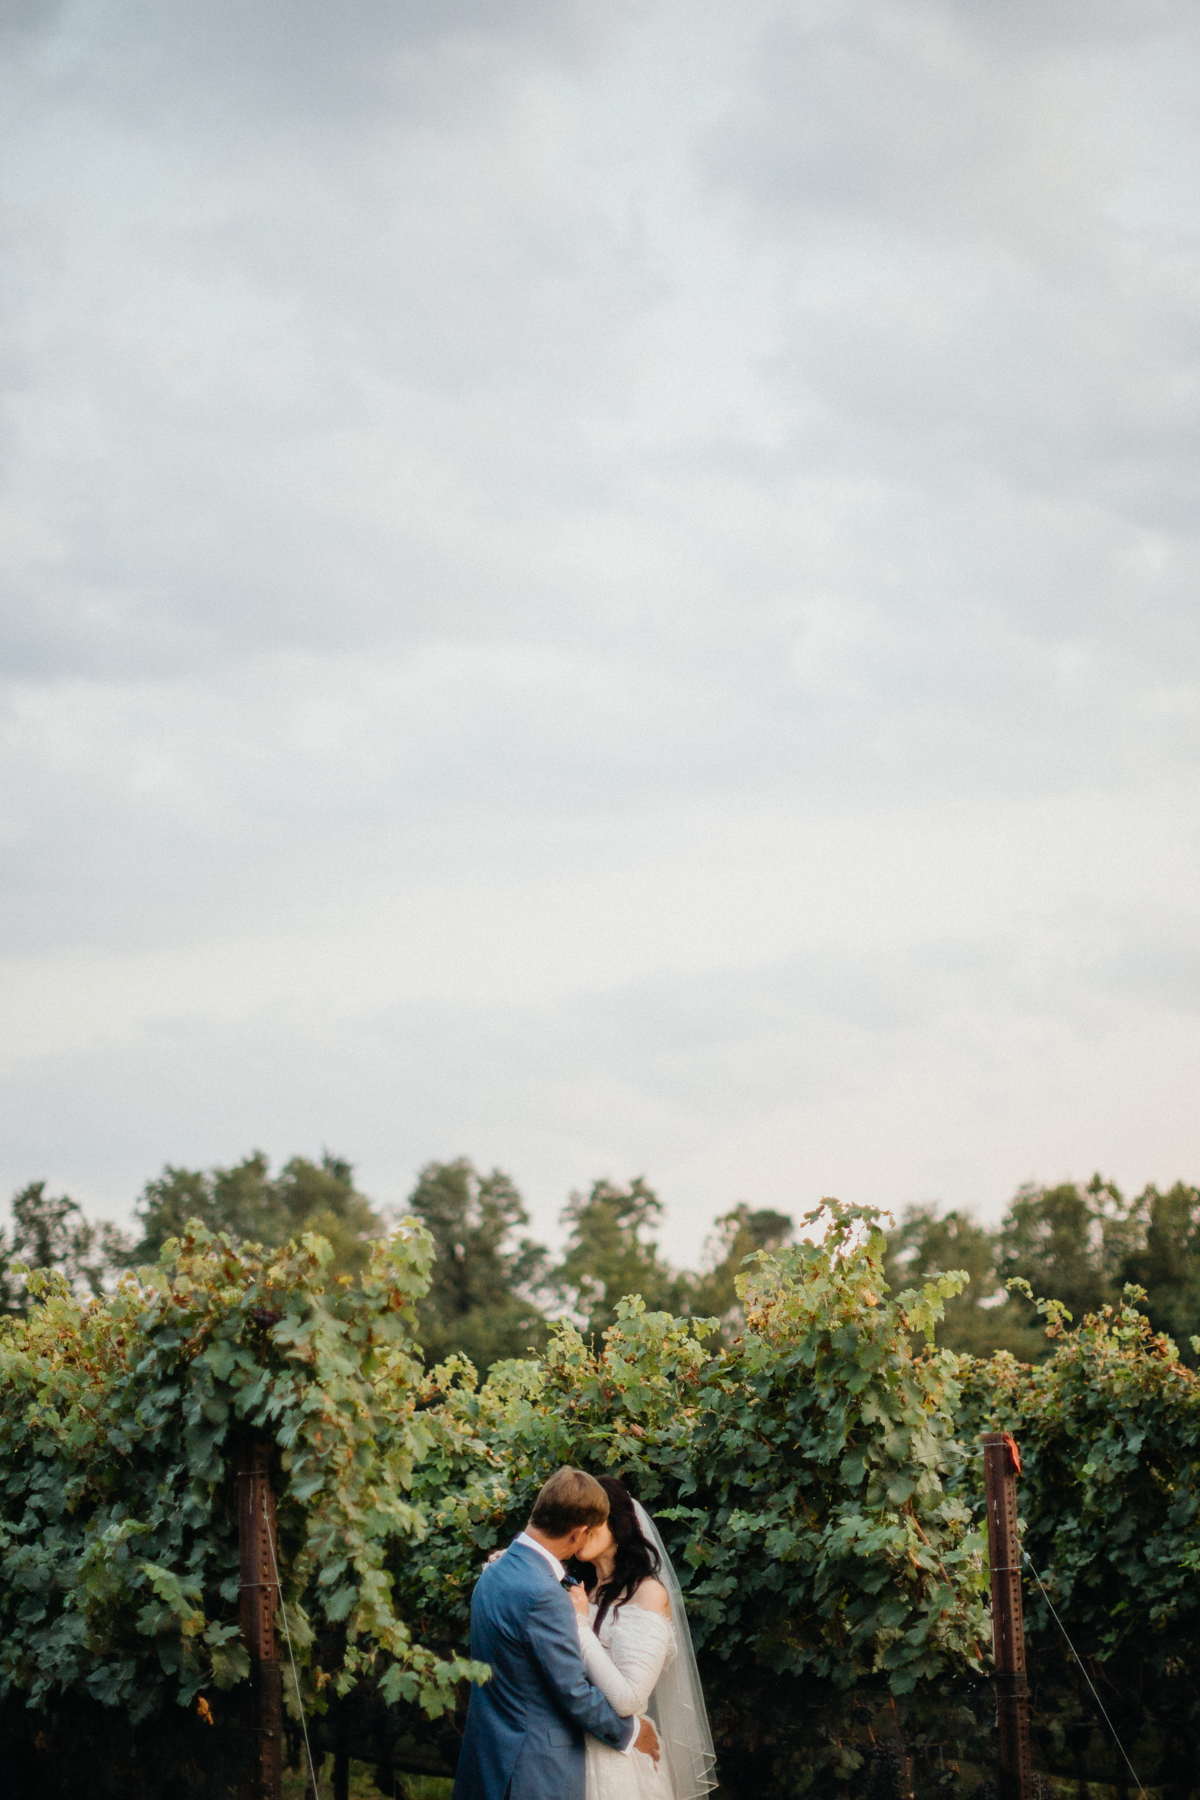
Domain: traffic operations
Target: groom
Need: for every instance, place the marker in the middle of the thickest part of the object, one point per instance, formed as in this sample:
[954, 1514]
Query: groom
[524, 1735]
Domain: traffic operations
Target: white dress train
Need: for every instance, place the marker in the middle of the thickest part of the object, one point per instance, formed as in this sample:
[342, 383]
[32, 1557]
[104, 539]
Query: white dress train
[625, 1662]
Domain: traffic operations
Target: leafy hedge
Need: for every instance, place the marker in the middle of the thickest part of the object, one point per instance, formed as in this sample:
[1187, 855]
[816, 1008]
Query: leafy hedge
[1109, 1430]
[800, 1479]
[818, 1483]
[119, 1424]
[821, 1489]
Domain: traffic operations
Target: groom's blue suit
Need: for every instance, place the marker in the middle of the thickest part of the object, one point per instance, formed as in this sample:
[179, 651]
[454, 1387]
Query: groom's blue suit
[524, 1735]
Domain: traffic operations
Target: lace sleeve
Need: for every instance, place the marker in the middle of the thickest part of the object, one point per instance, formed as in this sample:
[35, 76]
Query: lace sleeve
[641, 1643]
[603, 1672]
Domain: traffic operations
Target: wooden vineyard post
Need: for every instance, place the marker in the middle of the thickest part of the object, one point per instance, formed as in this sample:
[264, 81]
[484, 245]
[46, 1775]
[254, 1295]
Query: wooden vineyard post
[1001, 1466]
[259, 1603]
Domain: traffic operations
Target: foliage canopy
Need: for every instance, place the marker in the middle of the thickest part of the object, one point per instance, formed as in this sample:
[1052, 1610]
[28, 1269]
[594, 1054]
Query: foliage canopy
[119, 1421]
[810, 1451]
[248, 1202]
[479, 1301]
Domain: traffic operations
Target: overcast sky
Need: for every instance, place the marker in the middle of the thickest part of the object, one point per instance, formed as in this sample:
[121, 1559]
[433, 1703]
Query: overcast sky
[603, 585]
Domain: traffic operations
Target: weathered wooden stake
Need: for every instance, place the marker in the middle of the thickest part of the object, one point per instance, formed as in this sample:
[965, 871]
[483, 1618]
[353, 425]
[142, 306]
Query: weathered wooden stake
[1001, 1465]
[259, 1603]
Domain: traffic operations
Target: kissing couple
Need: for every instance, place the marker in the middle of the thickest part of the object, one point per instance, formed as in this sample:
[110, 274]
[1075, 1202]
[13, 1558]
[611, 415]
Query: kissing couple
[594, 1692]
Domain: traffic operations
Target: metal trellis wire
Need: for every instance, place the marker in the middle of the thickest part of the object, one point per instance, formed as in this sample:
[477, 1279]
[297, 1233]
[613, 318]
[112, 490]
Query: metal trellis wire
[312, 1773]
[1086, 1676]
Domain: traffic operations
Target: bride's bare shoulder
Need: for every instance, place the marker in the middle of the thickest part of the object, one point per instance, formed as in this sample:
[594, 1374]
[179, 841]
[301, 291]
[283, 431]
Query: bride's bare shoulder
[651, 1595]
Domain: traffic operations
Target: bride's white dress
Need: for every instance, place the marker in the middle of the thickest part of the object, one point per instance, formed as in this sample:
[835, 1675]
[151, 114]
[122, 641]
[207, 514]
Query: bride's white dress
[625, 1662]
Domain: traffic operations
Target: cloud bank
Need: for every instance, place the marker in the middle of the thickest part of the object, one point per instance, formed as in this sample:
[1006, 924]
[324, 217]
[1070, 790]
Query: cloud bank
[611, 587]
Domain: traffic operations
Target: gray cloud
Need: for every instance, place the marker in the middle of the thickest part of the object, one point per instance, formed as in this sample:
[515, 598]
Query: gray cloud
[603, 585]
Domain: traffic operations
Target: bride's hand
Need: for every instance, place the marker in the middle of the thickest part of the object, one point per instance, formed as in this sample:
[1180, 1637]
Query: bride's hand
[579, 1600]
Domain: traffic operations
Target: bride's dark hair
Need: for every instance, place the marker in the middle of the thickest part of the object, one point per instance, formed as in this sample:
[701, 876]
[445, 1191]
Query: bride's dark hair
[636, 1559]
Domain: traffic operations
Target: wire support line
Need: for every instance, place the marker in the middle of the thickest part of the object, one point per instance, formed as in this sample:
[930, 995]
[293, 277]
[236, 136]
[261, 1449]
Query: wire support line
[292, 1656]
[1074, 1652]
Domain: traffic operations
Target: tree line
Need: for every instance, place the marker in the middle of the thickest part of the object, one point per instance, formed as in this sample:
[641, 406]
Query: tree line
[495, 1289]
[1081, 1245]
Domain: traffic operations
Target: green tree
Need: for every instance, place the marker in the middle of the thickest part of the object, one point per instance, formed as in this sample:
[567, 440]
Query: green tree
[49, 1232]
[608, 1255]
[981, 1319]
[256, 1207]
[1078, 1245]
[736, 1235]
[1069, 1244]
[1166, 1262]
[480, 1300]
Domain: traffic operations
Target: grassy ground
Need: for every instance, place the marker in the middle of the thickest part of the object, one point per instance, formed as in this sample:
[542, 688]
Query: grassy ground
[1058, 1788]
[362, 1787]
[433, 1787]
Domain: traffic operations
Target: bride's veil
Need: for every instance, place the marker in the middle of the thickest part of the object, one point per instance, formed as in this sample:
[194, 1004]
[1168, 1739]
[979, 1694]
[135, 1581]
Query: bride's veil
[677, 1703]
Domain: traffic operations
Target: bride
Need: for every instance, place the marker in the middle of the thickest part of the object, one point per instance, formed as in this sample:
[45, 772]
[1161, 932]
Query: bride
[637, 1648]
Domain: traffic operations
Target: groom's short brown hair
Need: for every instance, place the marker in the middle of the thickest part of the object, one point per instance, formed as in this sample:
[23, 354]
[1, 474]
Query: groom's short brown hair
[569, 1499]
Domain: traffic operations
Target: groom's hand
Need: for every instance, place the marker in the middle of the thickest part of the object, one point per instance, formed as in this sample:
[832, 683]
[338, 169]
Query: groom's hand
[647, 1740]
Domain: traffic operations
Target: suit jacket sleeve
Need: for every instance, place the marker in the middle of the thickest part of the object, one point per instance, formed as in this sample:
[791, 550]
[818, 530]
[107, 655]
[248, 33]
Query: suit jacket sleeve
[554, 1644]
